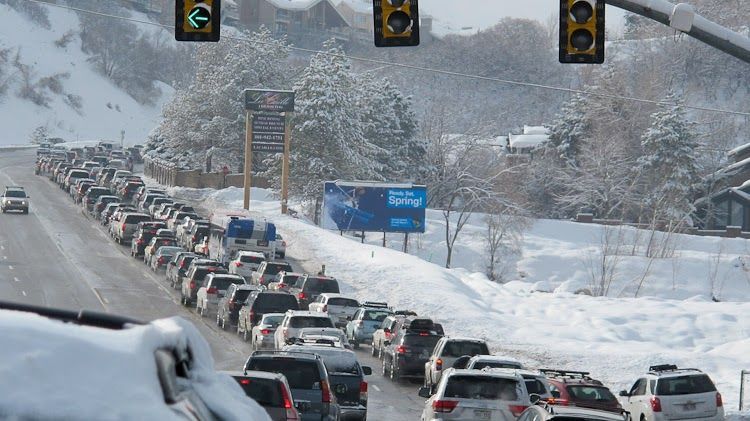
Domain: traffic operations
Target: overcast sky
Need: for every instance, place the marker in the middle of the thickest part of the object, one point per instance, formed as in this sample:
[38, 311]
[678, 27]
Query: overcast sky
[481, 14]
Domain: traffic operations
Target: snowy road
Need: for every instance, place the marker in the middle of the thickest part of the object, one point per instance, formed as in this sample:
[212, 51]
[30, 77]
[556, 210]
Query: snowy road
[56, 256]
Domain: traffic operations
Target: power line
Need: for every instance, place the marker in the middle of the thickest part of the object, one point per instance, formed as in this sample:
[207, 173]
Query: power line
[420, 68]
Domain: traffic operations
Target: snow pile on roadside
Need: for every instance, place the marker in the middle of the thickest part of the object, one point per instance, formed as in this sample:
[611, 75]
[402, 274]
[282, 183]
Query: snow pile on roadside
[114, 371]
[614, 338]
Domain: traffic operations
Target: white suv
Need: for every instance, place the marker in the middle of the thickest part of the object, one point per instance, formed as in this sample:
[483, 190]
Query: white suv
[667, 392]
[294, 321]
[246, 263]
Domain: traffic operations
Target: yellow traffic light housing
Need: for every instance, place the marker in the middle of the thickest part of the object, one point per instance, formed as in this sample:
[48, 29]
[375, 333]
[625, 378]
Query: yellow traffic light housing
[197, 20]
[396, 23]
[582, 31]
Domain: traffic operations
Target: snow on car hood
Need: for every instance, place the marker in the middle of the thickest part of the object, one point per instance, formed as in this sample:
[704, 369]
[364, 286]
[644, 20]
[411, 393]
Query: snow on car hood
[51, 369]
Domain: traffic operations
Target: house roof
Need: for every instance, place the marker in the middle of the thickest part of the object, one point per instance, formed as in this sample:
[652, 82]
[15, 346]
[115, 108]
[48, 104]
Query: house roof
[358, 6]
[739, 149]
[736, 167]
[527, 140]
[535, 130]
[294, 4]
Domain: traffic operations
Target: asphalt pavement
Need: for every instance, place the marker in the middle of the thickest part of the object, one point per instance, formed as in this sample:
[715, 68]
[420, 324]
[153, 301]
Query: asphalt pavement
[57, 256]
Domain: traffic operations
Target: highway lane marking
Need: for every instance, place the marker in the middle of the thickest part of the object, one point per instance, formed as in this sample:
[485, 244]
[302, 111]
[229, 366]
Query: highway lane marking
[377, 389]
[145, 274]
[16, 279]
[5, 257]
[102, 300]
[2, 247]
[10, 267]
[24, 293]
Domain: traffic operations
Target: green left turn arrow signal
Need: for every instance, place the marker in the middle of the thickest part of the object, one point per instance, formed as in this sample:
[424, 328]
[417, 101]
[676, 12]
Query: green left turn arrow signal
[199, 17]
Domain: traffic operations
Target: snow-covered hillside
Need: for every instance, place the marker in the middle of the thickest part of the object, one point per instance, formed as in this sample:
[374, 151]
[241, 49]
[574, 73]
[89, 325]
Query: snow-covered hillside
[614, 338]
[105, 109]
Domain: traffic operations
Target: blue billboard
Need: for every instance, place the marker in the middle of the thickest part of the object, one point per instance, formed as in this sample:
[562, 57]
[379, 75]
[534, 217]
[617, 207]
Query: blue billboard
[380, 207]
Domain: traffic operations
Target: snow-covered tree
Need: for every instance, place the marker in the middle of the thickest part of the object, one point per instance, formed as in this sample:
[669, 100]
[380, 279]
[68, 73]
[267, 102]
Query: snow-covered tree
[568, 131]
[669, 165]
[328, 140]
[39, 135]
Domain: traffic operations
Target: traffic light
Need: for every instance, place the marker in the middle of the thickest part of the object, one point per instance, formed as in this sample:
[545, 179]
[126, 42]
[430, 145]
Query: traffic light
[396, 23]
[197, 20]
[582, 31]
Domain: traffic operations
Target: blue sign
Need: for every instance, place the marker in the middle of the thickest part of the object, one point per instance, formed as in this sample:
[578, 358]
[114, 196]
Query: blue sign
[380, 207]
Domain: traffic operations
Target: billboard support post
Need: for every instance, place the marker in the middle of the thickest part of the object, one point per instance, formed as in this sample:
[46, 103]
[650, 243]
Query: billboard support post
[383, 238]
[406, 242]
[285, 165]
[248, 157]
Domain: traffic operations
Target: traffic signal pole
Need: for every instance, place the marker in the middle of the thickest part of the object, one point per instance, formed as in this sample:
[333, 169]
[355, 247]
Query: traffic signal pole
[682, 18]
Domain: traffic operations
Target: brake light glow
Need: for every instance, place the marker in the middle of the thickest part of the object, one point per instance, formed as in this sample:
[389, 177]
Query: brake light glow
[363, 391]
[238, 264]
[192, 284]
[401, 349]
[719, 401]
[424, 334]
[325, 391]
[655, 404]
[123, 227]
[212, 290]
[287, 399]
[444, 406]
[516, 410]
[558, 401]
[265, 331]
[160, 260]
[245, 381]
[301, 296]
[439, 364]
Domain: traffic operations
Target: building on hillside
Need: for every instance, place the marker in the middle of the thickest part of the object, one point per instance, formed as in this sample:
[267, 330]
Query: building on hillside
[524, 143]
[728, 204]
[295, 18]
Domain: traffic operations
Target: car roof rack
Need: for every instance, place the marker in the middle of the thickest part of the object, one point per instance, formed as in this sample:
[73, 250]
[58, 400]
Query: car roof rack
[565, 375]
[405, 313]
[661, 368]
[375, 304]
[82, 317]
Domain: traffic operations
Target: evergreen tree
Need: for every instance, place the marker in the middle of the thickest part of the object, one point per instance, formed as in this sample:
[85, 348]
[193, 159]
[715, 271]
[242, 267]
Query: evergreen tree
[568, 130]
[669, 165]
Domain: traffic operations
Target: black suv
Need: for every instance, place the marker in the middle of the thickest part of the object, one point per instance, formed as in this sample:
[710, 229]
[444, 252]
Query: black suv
[407, 353]
[263, 302]
[308, 287]
[307, 376]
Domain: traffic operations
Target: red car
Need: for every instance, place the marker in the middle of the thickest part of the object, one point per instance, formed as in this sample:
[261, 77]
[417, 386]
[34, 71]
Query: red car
[576, 388]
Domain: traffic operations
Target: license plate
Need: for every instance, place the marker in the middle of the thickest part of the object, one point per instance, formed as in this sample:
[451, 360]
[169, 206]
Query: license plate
[689, 406]
[481, 414]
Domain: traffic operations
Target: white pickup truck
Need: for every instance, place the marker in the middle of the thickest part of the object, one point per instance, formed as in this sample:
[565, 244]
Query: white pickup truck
[338, 307]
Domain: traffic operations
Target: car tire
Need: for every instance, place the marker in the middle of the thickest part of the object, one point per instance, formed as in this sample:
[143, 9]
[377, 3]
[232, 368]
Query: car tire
[373, 350]
[354, 343]
[394, 373]
[217, 320]
[380, 353]
[244, 334]
[383, 371]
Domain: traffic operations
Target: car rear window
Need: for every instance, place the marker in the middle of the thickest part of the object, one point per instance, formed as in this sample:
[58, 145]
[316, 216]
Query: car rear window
[134, 219]
[685, 385]
[343, 302]
[460, 348]
[535, 386]
[377, 315]
[272, 321]
[490, 364]
[421, 341]
[241, 294]
[79, 174]
[274, 268]
[299, 374]
[305, 321]
[203, 271]
[321, 285]
[251, 259]
[275, 303]
[481, 387]
[591, 393]
[223, 283]
[266, 392]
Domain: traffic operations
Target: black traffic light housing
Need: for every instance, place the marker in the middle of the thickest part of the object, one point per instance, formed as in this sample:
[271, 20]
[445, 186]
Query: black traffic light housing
[582, 31]
[197, 20]
[396, 23]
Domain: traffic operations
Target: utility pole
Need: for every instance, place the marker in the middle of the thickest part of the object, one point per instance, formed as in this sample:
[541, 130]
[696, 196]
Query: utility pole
[248, 157]
[683, 18]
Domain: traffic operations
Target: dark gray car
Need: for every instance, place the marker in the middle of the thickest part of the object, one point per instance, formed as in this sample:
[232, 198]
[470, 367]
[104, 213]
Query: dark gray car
[270, 390]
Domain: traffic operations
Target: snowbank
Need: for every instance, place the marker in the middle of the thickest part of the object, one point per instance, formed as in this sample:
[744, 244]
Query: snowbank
[614, 338]
[114, 371]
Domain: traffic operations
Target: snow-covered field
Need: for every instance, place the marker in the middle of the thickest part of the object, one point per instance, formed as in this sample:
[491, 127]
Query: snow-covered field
[106, 109]
[615, 338]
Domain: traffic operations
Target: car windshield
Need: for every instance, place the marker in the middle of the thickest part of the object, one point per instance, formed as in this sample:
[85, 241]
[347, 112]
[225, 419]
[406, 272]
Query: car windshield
[482, 387]
[309, 321]
[15, 193]
[685, 385]
[300, 374]
[591, 393]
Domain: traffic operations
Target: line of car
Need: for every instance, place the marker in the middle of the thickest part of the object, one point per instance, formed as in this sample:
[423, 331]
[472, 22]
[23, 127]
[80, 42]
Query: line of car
[302, 330]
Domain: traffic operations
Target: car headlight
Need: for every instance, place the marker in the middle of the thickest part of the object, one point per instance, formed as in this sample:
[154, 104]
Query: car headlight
[23, 202]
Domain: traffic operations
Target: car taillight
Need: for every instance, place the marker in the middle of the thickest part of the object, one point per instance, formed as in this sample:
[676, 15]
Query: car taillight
[245, 381]
[363, 391]
[192, 284]
[325, 308]
[444, 406]
[140, 242]
[238, 264]
[291, 413]
[265, 331]
[182, 264]
[285, 332]
[388, 335]
[325, 391]
[359, 323]
[212, 290]
[401, 349]
[558, 401]
[160, 260]
[123, 227]
[231, 304]
[301, 296]
[719, 401]
[516, 410]
[655, 404]
[439, 364]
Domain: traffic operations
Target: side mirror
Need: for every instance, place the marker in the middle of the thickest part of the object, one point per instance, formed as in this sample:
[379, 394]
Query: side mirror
[534, 398]
[386, 343]
[624, 393]
[367, 370]
[424, 392]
